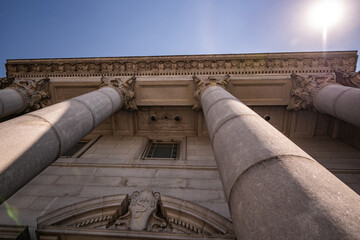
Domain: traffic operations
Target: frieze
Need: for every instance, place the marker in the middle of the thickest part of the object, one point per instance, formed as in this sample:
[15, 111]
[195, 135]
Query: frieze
[186, 65]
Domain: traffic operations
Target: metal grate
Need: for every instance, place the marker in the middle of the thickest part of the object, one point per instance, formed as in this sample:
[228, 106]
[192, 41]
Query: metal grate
[162, 150]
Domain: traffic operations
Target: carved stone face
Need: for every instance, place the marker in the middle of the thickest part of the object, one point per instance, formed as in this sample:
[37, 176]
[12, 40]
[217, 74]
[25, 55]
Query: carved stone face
[142, 205]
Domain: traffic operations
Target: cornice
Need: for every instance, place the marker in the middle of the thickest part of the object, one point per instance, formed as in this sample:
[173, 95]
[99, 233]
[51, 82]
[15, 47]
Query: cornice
[271, 63]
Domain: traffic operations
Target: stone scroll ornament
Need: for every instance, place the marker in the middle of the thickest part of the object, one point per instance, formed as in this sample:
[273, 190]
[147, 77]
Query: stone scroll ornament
[305, 88]
[202, 84]
[34, 92]
[350, 79]
[6, 81]
[142, 211]
[125, 88]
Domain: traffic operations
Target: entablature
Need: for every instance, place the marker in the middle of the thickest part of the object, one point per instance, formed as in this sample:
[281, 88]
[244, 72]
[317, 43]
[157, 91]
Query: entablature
[264, 63]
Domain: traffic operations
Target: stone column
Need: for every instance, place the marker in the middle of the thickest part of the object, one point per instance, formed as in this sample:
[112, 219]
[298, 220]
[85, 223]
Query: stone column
[274, 189]
[322, 93]
[31, 142]
[23, 96]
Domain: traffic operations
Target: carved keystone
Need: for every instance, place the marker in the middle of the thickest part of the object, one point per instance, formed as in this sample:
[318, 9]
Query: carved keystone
[142, 211]
[34, 93]
[125, 88]
[202, 84]
[6, 81]
[350, 79]
[305, 88]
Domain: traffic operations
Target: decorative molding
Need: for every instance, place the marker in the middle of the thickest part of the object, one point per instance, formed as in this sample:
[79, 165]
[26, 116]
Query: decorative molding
[142, 211]
[305, 88]
[279, 63]
[34, 92]
[143, 214]
[202, 84]
[6, 81]
[125, 88]
[350, 79]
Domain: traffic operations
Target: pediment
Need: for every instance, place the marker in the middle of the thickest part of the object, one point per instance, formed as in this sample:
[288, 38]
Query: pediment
[110, 217]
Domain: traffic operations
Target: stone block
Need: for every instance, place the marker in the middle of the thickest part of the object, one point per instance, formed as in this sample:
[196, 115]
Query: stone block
[44, 179]
[126, 172]
[156, 182]
[71, 171]
[89, 180]
[50, 190]
[205, 184]
[182, 173]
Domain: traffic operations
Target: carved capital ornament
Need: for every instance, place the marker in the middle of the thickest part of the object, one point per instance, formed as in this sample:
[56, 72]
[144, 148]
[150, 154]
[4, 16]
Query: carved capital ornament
[350, 79]
[202, 84]
[305, 89]
[125, 88]
[6, 81]
[34, 93]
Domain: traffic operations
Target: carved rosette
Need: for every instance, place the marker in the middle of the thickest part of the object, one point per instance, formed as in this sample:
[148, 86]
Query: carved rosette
[350, 79]
[125, 88]
[202, 84]
[34, 93]
[305, 88]
[142, 211]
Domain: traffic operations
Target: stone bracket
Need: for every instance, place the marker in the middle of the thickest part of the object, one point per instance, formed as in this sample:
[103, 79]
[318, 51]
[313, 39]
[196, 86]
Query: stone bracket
[202, 84]
[34, 92]
[305, 88]
[125, 88]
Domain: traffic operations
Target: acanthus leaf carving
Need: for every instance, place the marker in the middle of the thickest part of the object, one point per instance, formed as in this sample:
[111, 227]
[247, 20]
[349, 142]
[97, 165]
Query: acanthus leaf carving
[34, 93]
[350, 79]
[125, 88]
[202, 84]
[6, 81]
[305, 88]
[142, 211]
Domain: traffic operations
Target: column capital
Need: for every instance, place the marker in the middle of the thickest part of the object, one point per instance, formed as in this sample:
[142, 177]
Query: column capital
[350, 79]
[125, 89]
[305, 88]
[202, 84]
[6, 81]
[34, 93]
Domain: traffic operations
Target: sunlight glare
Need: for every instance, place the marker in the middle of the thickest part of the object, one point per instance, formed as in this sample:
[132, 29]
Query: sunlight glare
[325, 13]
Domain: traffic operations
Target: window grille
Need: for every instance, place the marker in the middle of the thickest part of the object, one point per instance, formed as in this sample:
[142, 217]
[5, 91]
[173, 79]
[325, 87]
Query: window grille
[162, 150]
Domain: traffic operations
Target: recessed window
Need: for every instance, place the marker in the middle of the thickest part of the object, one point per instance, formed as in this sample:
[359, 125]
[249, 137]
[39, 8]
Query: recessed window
[162, 150]
[79, 148]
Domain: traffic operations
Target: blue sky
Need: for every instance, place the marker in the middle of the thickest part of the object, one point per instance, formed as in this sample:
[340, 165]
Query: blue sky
[89, 28]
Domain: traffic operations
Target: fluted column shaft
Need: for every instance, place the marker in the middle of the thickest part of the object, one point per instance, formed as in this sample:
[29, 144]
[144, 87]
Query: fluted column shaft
[274, 189]
[30, 143]
[339, 101]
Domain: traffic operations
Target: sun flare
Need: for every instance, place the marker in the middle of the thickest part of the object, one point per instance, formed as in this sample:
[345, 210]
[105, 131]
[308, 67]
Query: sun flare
[326, 13]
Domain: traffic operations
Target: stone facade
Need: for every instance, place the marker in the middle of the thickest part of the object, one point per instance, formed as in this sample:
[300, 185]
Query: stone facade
[162, 95]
